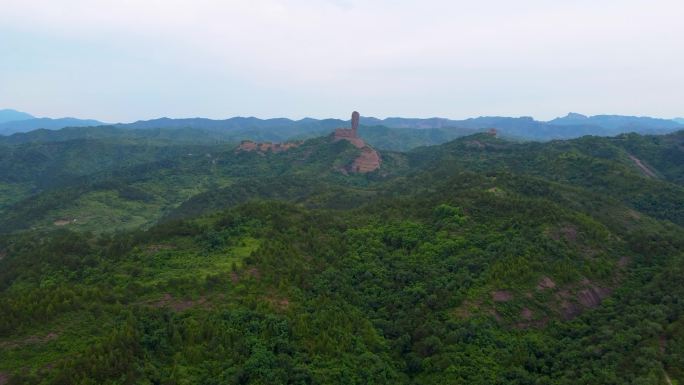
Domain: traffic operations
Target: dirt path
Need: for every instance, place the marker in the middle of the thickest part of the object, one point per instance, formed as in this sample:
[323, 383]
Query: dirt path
[667, 378]
[642, 166]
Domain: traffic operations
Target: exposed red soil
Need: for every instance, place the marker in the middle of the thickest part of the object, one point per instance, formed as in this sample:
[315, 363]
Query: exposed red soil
[368, 161]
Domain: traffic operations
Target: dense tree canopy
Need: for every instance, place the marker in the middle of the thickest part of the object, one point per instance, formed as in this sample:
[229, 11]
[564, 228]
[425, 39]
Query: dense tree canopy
[481, 261]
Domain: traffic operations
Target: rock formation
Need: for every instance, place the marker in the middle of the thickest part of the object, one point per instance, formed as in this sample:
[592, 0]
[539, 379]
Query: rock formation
[369, 159]
[356, 117]
[350, 134]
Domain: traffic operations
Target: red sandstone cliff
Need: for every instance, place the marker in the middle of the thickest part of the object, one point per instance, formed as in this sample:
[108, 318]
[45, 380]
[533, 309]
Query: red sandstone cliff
[369, 159]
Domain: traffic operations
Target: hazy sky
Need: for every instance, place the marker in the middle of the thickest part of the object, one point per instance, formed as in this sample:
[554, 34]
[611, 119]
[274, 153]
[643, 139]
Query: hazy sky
[125, 60]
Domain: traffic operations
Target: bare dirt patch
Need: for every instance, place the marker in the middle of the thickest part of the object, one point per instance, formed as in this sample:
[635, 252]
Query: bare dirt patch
[254, 273]
[567, 232]
[178, 305]
[526, 314]
[645, 169]
[475, 143]
[63, 222]
[624, 261]
[159, 247]
[496, 191]
[546, 283]
[4, 378]
[662, 344]
[279, 303]
[465, 310]
[30, 340]
[633, 214]
[502, 296]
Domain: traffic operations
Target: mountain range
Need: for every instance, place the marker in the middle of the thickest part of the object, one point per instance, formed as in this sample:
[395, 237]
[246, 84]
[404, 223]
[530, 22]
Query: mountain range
[12, 121]
[281, 129]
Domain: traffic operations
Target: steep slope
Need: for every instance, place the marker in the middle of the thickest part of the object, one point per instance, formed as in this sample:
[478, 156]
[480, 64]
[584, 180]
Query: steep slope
[602, 165]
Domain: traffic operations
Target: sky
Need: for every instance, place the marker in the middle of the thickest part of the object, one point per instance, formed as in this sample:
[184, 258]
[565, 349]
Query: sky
[125, 60]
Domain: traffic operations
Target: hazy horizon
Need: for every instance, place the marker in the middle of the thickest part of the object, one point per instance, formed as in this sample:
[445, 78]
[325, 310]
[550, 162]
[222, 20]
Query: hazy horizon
[123, 61]
[323, 117]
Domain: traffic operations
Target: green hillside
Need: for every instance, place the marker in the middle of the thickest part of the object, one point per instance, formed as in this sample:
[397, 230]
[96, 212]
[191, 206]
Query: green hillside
[479, 261]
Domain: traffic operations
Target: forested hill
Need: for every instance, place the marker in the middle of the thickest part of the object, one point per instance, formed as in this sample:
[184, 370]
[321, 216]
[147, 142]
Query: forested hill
[478, 261]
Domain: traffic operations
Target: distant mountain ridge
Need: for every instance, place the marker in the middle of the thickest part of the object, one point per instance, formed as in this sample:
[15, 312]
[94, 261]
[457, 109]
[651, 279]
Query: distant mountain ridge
[570, 126]
[31, 123]
[8, 115]
[233, 129]
[614, 121]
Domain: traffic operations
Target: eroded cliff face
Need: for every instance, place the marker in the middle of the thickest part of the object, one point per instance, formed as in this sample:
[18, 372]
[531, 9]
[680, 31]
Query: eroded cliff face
[369, 160]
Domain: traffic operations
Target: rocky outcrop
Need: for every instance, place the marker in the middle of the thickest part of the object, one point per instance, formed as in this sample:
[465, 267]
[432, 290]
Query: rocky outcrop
[369, 160]
[588, 296]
